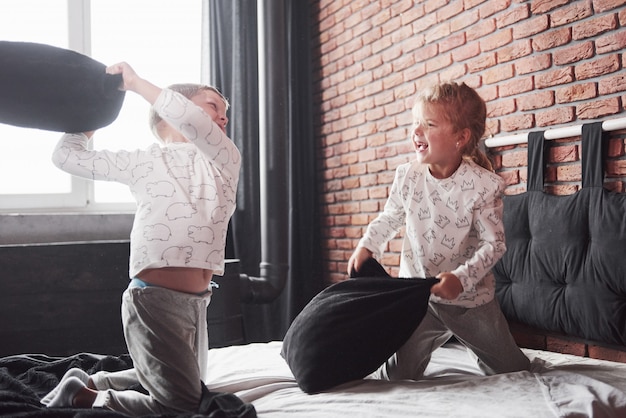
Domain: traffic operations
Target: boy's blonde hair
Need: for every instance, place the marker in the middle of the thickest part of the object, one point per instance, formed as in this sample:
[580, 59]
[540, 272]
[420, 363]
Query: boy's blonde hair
[464, 109]
[188, 90]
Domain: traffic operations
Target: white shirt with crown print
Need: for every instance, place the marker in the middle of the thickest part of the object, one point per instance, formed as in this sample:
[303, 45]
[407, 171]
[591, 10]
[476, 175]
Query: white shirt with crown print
[453, 224]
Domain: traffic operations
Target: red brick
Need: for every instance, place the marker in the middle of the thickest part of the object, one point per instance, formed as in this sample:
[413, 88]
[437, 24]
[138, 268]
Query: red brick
[604, 5]
[510, 177]
[467, 19]
[565, 173]
[438, 62]
[375, 166]
[533, 64]
[358, 169]
[611, 42]
[603, 353]
[616, 168]
[598, 108]
[531, 27]
[552, 39]
[562, 190]
[378, 193]
[556, 77]
[594, 27]
[412, 14]
[466, 52]
[515, 51]
[493, 6]
[543, 6]
[512, 16]
[515, 159]
[516, 86]
[571, 13]
[424, 23]
[616, 147]
[497, 74]
[527, 340]
[451, 42]
[480, 29]
[501, 107]
[449, 11]
[496, 40]
[576, 92]
[512, 191]
[577, 52]
[453, 72]
[473, 3]
[537, 100]
[566, 347]
[556, 116]
[482, 62]
[517, 122]
[436, 33]
[391, 25]
[612, 84]
[433, 5]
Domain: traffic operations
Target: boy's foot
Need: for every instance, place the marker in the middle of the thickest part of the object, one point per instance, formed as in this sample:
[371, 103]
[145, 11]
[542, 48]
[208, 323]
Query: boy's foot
[66, 392]
[74, 372]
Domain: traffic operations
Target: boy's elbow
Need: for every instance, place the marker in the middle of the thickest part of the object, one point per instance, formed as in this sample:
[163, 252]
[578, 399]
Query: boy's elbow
[59, 155]
[56, 159]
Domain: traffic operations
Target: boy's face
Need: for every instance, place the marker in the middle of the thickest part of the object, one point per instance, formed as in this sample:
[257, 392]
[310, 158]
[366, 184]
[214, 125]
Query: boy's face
[213, 105]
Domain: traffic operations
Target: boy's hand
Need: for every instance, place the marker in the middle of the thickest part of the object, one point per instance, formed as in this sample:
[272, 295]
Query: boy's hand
[132, 82]
[449, 286]
[129, 76]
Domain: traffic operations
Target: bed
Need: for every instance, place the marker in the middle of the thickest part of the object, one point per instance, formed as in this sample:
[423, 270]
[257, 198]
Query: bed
[558, 385]
[569, 280]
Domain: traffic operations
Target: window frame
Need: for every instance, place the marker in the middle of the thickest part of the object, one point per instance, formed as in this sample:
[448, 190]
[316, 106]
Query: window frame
[80, 198]
[82, 193]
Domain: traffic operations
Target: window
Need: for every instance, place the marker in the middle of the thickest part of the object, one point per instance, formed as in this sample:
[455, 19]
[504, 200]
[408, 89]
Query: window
[161, 40]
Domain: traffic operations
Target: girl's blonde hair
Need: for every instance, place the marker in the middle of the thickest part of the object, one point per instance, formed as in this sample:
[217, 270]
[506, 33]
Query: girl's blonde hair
[464, 109]
[188, 90]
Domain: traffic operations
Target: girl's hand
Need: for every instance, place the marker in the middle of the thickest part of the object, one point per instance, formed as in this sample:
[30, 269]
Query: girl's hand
[449, 286]
[358, 258]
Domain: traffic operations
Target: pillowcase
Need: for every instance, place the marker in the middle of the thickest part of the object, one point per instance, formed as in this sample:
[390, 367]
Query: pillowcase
[55, 89]
[351, 328]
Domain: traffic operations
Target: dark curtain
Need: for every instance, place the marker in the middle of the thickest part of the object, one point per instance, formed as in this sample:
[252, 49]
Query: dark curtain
[233, 57]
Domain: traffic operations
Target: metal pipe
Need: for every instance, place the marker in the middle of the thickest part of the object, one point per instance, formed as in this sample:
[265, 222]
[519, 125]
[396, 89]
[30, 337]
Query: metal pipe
[274, 156]
[554, 133]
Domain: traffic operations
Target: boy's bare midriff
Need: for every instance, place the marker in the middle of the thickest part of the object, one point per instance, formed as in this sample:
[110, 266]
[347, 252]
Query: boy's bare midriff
[181, 279]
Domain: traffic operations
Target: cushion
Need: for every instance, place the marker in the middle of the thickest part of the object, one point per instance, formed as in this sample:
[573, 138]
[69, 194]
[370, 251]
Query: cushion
[352, 327]
[55, 89]
[564, 268]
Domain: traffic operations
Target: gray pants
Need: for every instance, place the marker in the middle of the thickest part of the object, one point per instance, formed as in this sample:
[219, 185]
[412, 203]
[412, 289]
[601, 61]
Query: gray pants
[483, 330]
[167, 338]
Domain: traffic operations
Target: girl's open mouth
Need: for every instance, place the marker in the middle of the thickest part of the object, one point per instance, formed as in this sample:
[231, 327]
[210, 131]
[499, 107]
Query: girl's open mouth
[421, 146]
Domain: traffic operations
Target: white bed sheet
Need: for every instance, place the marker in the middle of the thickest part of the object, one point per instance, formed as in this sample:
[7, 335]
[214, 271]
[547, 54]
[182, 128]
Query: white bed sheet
[558, 385]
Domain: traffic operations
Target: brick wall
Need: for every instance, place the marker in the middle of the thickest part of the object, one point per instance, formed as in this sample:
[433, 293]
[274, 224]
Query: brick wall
[538, 64]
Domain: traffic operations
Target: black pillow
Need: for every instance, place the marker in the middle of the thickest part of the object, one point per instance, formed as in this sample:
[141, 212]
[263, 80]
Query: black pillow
[55, 89]
[351, 328]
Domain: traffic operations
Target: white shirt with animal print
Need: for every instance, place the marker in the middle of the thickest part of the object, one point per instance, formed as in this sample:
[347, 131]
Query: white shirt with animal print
[185, 192]
[453, 224]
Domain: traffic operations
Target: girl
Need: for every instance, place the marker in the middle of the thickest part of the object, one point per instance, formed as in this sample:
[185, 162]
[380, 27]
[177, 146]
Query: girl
[449, 201]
